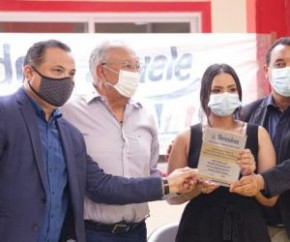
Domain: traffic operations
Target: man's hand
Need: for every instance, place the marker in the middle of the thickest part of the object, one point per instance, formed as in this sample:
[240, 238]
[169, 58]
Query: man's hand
[248, 185]
[182, 180]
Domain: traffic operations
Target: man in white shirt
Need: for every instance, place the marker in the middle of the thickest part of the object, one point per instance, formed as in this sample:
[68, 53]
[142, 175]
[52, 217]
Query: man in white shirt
[120, 136]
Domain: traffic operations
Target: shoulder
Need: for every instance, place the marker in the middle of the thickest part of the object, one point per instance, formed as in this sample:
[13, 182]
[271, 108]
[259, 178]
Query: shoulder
[183, 137]
[247, 110]
[258, 130]
[254, 104]
[8, 104]
[75, 101]
[262, 132]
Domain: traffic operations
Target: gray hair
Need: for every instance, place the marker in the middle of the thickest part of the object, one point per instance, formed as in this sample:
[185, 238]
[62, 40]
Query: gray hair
[99, 54]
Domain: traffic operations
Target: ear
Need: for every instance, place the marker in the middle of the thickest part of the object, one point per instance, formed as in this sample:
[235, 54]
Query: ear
[100, 72]
[266, 71]
[27, 72]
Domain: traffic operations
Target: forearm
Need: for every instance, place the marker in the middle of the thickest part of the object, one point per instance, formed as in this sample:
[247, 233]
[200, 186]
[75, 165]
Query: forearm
[182, 198]
[268, 202]
[277, 179]
[105, 188]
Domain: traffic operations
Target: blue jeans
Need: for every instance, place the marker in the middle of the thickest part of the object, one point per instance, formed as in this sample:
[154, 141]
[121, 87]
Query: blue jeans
[139, 234]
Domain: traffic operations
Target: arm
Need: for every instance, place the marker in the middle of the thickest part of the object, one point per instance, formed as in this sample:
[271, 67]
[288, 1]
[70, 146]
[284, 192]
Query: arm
[109, 189]
[266, 160]
[274, 181]
[277, 180]
[178, 158]
[251, 185]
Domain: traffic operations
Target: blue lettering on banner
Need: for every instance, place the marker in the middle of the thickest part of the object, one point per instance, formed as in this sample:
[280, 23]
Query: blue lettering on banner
[6, 64]
[168, 68]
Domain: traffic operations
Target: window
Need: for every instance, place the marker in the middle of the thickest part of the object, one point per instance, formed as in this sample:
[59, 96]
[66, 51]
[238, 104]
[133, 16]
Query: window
[15, 22]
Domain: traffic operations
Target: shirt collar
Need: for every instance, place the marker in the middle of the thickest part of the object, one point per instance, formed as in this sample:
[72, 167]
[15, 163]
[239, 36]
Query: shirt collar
[38, 109]
[270, 101]
[93, 94]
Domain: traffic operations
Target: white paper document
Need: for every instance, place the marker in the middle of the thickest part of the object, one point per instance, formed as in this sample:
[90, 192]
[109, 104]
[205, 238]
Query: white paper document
[219, 154]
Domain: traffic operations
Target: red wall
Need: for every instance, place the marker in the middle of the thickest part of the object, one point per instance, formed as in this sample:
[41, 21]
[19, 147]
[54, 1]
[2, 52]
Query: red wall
[273, 16]
[83, 6]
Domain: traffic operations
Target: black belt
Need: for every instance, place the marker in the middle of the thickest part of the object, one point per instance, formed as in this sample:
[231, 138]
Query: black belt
[122, 227]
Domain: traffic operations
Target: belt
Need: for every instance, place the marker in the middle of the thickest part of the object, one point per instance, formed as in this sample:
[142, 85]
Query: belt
[121, 227]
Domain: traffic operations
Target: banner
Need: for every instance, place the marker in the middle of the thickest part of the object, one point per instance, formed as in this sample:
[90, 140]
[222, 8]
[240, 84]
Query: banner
[170, 82]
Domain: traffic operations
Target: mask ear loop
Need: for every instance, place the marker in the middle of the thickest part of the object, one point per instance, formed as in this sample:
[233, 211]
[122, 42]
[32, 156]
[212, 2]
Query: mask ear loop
[106, 83]
[29, 82]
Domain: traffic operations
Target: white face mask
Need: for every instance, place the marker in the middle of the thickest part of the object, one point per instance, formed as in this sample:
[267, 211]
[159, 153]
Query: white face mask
[128, 82]
[224, 104]
[280, 80]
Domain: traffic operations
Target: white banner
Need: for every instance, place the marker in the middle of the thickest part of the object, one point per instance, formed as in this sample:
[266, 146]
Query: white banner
[170, 82]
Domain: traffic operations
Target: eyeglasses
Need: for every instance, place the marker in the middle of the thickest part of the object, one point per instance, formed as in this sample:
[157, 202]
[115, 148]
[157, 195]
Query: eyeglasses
[126, 65]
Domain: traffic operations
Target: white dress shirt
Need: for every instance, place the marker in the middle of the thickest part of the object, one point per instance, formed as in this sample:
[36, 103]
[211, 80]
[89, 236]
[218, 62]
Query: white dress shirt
[129, 149]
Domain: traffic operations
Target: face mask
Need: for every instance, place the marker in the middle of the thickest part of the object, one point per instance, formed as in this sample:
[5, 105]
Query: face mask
[53, 90]
[224, 104]
[280, 81]
[127, 84]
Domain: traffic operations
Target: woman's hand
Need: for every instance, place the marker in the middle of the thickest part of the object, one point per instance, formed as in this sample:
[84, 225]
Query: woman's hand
[206, 186]
[246, 162]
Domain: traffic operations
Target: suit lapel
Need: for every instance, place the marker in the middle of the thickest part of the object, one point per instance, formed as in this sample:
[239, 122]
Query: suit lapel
[29, 117]
[70, 161]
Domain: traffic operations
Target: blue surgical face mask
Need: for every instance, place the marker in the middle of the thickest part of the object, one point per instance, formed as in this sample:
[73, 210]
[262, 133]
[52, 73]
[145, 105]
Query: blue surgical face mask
[224, 104]
[280, 80]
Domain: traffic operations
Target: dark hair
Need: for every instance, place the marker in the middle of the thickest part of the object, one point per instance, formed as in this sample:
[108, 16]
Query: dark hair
[36, 53]
[206, 83]
[281, 41]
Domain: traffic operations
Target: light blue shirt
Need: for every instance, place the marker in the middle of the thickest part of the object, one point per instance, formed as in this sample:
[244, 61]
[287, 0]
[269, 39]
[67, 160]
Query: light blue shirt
[129, 149]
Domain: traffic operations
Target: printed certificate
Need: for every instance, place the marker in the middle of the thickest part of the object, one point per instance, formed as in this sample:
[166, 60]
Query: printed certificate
[219, 155]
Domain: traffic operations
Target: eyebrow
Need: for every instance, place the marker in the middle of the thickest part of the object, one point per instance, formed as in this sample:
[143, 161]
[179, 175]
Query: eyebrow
[278, 60]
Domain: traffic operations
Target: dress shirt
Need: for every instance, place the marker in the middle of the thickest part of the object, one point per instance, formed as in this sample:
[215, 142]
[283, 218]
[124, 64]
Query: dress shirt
[276, 124]
[128, 149]
[55, 169]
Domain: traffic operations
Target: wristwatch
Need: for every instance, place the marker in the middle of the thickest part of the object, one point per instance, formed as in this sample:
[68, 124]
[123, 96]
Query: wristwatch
[166, 189]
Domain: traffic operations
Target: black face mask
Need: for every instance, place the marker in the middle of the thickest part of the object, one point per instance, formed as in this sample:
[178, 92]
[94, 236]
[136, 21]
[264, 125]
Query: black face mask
[55, 91]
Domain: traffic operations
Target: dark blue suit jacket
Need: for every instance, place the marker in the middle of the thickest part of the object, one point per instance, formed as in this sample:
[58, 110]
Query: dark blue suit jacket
[277, 179]
[23, 181]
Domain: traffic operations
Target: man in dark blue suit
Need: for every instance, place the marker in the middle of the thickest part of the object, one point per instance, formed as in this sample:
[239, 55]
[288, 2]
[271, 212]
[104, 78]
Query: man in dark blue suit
[44, 168]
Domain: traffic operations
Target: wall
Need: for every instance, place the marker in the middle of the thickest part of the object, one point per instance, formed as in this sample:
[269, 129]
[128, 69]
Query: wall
[239, 16]
[273, 16]
[229, 16]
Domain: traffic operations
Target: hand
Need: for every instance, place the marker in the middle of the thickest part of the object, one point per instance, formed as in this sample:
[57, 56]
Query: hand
[182, 180]
[246, 162]
[248, 185]
[207, 187]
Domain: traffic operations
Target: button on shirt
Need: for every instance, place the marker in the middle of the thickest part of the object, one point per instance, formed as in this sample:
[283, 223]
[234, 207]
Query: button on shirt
[55, 167]
[129, 149]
